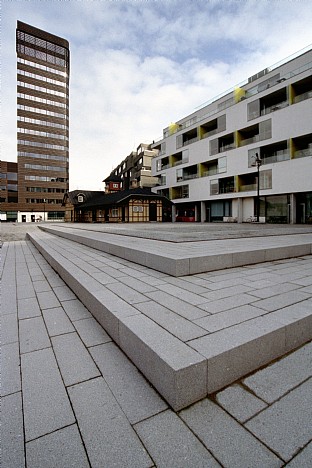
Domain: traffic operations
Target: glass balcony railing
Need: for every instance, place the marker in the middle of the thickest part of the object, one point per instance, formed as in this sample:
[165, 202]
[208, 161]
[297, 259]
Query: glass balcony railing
[248, 188]
[303, 153]
[275, 157]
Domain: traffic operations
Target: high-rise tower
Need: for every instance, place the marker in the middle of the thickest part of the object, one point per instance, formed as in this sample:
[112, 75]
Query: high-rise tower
[42, 121]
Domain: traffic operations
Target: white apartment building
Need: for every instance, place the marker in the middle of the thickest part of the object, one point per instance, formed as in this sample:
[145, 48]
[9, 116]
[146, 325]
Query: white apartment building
[208, 162]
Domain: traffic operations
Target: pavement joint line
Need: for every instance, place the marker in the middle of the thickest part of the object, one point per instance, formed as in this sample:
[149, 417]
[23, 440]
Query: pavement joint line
[45, 242]
[215, 451]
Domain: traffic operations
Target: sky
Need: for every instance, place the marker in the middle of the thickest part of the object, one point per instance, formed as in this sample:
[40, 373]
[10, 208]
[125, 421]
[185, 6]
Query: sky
[139, 65]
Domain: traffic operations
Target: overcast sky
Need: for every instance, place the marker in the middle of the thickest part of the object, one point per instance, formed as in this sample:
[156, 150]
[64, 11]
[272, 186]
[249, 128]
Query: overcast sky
[138, 65]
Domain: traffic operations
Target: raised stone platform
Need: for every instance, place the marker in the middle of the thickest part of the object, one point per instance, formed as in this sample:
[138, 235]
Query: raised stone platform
[210, 250]
[189, 336]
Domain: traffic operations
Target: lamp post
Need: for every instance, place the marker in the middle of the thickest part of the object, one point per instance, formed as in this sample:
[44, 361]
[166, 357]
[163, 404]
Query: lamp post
[258, 163]
[44, 202]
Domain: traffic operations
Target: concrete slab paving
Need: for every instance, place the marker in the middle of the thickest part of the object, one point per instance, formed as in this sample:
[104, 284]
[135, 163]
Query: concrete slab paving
[144, 429]
[245, 326]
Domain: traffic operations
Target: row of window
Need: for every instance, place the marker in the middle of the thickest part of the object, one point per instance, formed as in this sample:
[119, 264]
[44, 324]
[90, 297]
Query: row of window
[40, 55]
[42, 145]
[46, 190]
[38, 167]
[29, 131]
[46, 179]
[41, 122]
[42, 89]
[43, 200]
[38, 42]
[42, 67]
[42, 100]
[42, 156]
[8, 175]
[9, 187]
[36, 76]
[37, 110]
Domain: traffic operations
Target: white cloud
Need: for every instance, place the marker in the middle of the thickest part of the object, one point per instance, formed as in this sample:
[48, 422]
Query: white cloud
[138, 65]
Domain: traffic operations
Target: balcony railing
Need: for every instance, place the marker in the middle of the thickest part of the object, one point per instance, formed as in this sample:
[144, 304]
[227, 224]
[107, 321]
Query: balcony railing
[248, 188]
[303, 153]
[188, 142]
[275, 107]
[249, 141]
[190, 176]
[303, 97]
[278, 156]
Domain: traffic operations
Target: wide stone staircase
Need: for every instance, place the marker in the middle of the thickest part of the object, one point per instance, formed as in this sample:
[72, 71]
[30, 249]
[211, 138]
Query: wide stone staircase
[192, 317]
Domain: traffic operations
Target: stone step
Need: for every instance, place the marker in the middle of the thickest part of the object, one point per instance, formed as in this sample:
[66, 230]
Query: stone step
[182, 371]
[189, 258]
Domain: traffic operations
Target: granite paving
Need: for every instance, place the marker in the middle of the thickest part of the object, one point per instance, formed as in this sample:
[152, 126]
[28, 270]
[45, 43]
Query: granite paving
[72, 397]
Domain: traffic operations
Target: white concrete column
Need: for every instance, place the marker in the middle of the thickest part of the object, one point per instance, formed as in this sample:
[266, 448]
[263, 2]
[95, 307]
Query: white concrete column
[174, 212]
[203, 211]
[292, 214]
[239, 214]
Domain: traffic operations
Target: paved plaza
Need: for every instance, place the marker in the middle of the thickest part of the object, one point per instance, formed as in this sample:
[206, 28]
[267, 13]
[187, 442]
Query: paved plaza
[72, 397]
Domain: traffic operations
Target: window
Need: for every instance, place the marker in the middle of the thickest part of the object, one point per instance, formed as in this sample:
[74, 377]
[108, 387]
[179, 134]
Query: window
[179, 175]
[114, 212]
[80, 198]
[115, 186]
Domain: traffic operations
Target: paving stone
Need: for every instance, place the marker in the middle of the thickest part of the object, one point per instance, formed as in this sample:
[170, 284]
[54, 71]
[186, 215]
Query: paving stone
[9, 329]
[228, 303]
[28, 308]
[184, 295]
[274, 290]
[75, 362]
[10, 369]
[226, 292]
[8, 299]
[228, 318]
[279, 378]
[171, 443]
[234, 352]
[62, 448]
[25, 291]
[175, 324]
[12, 432]
[240, 403]
[33, 335]
[48, 300]
[41, 286]
[182, 308]
[127, 293]
[108, 436]
[57, 322]
[297, 320]
[286, 425]
[170, 365]
[303, 459]
[137, 284]
[63, 293]
[91, 332]
[132, 391]
[76, 310]
[282, 300]
[46, 404]
[229, 442]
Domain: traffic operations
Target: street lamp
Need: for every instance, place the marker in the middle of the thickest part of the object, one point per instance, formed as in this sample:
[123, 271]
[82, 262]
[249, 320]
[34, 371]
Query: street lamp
[44, 202]
[258, 163]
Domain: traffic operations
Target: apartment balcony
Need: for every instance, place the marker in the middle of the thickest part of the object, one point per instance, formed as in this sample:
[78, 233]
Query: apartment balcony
[248, 188]
[277, 156]
[303, 97]
[303, 153]
[274, 108]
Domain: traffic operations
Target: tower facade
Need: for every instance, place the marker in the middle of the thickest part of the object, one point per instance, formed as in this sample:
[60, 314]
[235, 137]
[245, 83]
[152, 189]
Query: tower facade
[42, 122]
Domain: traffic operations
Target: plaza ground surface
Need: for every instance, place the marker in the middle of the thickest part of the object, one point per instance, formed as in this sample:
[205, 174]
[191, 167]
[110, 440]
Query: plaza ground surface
[72, 397]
